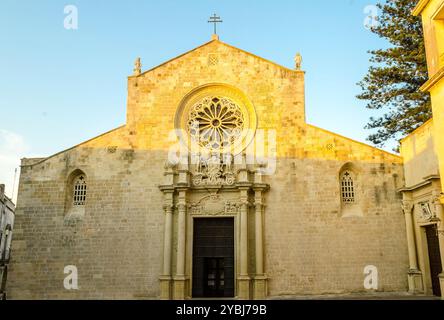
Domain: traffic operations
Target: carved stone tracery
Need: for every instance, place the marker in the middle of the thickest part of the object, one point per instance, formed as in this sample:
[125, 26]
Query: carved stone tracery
[215, 122]
[213, 171]
[216, 118]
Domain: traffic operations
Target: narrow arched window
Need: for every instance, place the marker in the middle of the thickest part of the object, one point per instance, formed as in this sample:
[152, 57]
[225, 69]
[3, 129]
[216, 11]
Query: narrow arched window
[79, 192]
[348, 188]
[7, 244]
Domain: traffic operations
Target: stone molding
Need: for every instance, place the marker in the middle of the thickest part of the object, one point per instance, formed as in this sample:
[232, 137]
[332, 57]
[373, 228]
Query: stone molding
[407, 206]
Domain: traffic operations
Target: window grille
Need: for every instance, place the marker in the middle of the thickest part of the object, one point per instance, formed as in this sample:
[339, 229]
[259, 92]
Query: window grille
[347, 188]
[79, 196]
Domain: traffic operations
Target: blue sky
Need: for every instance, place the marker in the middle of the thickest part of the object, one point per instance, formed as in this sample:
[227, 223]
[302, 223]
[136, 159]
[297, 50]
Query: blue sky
[60, 87]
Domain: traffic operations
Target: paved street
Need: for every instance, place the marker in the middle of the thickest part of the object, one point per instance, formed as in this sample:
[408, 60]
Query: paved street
[362, 296]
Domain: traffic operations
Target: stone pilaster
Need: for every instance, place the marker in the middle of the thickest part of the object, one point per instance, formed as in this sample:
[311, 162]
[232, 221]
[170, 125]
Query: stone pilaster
[414, 275]
[244, 278]
[438, 202]
[168, 240]
[166, 278]
[260, 279]
[179, 278]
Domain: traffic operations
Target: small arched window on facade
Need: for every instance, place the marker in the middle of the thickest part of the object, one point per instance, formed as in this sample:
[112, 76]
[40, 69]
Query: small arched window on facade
[76, 193]
[79, 190]
[6, 243]
[348, 193]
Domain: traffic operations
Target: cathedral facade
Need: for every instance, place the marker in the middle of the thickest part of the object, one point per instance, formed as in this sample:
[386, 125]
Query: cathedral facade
[215, 187]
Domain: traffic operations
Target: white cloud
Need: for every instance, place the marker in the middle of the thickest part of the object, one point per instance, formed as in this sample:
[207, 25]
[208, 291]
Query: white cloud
[12, 148]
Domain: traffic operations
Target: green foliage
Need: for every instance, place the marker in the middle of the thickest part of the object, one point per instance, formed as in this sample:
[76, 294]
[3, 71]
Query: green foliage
[393, 81]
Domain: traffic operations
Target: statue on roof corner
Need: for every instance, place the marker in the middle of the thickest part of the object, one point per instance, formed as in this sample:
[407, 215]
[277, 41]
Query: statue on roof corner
[298, 61]
[137, 67]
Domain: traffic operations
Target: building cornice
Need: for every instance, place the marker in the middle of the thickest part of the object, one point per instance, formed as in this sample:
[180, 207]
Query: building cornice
[7, 202]
[417, 130]
[41, 160]
[433, 80]
[354, 141]
[427, 180]
[420, 7]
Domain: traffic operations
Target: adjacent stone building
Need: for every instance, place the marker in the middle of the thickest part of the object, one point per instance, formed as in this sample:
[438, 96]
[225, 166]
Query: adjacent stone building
[423, 155]
[7, 209]
[215, 187]
[423, 210]
[432, 13]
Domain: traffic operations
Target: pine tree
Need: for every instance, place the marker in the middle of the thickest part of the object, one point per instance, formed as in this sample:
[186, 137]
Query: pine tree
[393, 81]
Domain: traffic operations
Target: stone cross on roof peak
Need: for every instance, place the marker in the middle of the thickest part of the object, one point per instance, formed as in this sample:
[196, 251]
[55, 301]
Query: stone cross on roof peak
[215, 19]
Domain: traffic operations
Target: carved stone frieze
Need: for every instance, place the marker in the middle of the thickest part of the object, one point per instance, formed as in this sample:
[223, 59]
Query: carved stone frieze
[213, 205]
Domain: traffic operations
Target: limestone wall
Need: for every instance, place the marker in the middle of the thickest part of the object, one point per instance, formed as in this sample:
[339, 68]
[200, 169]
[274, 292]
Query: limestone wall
[419, 154]
[117, 245]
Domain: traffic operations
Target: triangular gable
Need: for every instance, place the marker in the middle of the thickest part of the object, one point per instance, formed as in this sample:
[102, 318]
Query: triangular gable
[209, 43]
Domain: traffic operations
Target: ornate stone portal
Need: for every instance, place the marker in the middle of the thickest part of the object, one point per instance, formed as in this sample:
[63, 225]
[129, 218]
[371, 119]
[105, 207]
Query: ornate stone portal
[221, 122]
[427, 213]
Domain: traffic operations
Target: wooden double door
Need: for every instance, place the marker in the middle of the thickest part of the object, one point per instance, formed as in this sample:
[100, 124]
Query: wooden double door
[213, 258]
[434, 258]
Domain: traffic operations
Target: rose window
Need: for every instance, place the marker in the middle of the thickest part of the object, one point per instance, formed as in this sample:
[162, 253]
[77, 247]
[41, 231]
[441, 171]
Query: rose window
[215, 123]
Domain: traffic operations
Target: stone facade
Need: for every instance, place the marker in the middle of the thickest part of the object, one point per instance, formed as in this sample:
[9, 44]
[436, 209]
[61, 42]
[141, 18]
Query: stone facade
[132, 238]
[424, 162]
[432, 13]
[7, 209]
[421, 203]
